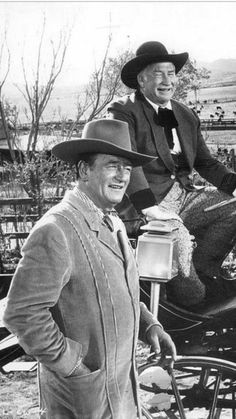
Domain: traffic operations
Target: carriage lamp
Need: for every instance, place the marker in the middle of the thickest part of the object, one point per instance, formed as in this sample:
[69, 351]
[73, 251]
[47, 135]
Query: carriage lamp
[157, 252]
[157, 257]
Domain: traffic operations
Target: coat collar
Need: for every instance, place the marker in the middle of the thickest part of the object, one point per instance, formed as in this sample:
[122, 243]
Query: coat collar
[93, 220]
[183, 130]
[160, 142]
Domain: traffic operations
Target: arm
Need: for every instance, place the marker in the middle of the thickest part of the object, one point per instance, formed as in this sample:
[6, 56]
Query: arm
[36, 287]
[140, 194]
[152, 332]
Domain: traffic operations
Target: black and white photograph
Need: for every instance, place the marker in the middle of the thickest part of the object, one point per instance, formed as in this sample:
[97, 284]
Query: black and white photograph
[118, 209]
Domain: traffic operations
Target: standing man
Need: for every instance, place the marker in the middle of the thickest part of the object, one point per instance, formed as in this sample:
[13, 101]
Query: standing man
[74, 299]
[169, 130]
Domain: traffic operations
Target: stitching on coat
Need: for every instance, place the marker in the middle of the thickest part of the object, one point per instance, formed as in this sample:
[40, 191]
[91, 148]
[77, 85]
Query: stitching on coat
[112, 303]
[95, 282]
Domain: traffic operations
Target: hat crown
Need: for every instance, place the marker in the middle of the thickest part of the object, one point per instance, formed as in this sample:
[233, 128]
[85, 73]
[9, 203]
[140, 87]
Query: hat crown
[112, 131]
[104, 136]
[149, 53]
[152, 48]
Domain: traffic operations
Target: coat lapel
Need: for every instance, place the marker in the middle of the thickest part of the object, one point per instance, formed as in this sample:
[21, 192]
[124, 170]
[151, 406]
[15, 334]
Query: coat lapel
[184, 132]
[106, 237]
[159, 137]
[93, 221]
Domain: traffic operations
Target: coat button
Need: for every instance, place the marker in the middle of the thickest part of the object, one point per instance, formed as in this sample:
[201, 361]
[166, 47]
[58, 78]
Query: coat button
[172, 177]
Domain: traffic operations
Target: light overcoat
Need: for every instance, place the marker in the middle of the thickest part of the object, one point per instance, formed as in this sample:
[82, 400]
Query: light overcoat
[73, 295]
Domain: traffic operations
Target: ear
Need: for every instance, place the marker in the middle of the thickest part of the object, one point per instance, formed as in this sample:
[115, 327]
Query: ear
[140, 79]
[83, 170]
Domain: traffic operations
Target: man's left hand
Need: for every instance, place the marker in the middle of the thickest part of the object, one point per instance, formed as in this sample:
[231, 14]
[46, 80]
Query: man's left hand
[161, 343]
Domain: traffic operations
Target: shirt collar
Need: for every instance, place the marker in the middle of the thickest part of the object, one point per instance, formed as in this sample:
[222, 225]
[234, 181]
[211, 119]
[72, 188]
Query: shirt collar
[156, 107]
[81, 195]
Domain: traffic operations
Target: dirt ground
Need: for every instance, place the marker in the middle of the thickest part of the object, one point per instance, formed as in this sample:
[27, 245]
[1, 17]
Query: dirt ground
[19, 398]
[19, 395]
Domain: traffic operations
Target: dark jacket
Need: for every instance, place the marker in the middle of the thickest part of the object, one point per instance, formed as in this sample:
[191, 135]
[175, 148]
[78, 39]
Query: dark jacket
[147, 137]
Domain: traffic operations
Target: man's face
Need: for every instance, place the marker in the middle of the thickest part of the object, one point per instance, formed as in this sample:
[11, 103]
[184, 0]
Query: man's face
[157, 82]
[107, 180]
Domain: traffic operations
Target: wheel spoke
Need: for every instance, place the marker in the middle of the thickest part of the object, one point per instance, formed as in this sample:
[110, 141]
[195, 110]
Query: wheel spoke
[216, 393]
[201, 386]
[177, 396]
[233, 410]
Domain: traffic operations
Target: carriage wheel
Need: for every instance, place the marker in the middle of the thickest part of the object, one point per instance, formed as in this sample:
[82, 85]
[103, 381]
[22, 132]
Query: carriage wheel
[201, 387]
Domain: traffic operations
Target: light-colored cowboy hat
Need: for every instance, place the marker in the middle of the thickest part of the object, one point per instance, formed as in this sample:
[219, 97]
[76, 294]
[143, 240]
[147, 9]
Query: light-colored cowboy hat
[149, 53]
[106, 136]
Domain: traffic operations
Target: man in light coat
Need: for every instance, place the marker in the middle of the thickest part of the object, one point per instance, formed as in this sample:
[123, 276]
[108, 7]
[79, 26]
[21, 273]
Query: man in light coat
[74, 299]
[164, 189]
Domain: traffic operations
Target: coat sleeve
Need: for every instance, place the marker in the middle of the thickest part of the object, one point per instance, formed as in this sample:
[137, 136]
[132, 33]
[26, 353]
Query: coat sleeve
[146, 321]
[36, 286]
[138, 190]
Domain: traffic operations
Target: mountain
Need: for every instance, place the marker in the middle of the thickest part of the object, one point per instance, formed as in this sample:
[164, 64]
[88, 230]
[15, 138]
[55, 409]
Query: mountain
[62, 103]
[223, 64]
[223, 72]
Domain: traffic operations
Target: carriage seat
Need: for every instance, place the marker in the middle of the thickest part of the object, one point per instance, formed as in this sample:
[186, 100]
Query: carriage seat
[217, 308]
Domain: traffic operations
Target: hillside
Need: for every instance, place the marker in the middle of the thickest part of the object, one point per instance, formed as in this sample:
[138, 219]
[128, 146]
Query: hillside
[223, 72]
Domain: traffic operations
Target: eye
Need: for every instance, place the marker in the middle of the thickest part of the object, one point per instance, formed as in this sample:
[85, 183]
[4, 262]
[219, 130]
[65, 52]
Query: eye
[157, 73]
[119, 167]
[127, 170]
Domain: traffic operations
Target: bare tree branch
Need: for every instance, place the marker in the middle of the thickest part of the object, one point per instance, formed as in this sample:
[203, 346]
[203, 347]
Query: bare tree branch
[4, 47]
[36, 93]
[105, 82]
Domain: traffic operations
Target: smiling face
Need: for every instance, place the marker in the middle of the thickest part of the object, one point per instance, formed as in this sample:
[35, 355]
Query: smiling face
[157, 82]
[106, 180]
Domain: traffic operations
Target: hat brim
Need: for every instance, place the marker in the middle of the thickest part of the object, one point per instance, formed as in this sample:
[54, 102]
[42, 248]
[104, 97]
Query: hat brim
[71, 151]
[133, 67]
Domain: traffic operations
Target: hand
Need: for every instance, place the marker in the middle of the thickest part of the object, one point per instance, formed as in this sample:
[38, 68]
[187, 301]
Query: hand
[81, 369]
[161, 343]
[154, 213]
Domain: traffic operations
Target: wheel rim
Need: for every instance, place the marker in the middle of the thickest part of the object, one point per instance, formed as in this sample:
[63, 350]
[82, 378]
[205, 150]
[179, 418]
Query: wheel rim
[204, 383]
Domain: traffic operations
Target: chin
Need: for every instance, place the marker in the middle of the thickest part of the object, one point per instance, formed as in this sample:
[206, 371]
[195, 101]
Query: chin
[116, 201]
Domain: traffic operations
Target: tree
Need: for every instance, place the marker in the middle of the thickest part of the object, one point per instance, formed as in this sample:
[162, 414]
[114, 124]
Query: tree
[190, 78]
[11, 114]
[103, 86]
[105, 83]
[5, 59]
[38, 93]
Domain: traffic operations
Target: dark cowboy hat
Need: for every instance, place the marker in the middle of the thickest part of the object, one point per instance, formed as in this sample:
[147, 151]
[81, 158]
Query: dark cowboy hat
[106, 136]
[149, 53]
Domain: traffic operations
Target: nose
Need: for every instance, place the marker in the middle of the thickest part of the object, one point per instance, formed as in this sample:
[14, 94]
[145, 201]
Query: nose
[166, 79]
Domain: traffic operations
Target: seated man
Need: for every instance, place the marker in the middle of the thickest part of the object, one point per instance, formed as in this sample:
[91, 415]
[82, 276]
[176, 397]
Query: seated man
[168, 129]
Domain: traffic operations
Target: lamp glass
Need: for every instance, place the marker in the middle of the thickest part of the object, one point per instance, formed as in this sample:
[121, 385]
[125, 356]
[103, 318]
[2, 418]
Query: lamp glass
[157, 256]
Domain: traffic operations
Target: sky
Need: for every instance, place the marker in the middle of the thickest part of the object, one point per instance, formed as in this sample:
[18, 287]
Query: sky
[206, 29]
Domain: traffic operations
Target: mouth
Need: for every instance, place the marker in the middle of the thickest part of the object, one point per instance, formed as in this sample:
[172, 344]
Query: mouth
[116, 187]
[165, 90]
